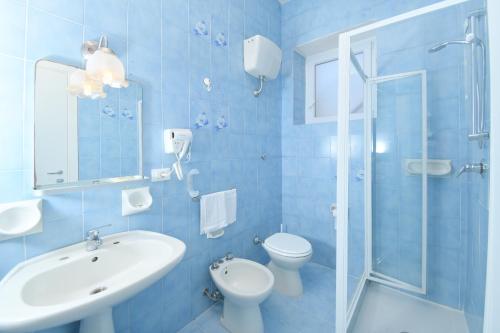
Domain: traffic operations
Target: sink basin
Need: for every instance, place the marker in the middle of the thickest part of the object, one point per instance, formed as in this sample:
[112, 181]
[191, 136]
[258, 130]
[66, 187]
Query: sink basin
[71, 283]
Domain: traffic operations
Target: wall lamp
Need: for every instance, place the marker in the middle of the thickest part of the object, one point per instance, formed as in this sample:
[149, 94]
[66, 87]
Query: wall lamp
[102, 68]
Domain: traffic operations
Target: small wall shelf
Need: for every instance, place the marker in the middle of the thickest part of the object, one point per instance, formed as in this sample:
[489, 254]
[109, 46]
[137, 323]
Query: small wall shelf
[20, 218]
[438, 168]
[136, 200]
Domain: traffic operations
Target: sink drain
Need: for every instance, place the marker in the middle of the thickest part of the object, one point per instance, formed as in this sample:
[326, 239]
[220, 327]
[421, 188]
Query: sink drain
[97, 290]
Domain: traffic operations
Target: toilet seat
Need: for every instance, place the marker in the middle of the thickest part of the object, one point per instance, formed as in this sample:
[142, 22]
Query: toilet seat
[288, 245]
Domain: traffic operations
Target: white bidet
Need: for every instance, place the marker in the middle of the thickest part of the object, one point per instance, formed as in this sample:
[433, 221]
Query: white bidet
[244, 284]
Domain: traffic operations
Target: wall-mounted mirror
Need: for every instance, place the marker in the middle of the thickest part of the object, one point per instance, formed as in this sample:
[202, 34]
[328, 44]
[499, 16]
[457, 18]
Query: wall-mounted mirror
[83, 141]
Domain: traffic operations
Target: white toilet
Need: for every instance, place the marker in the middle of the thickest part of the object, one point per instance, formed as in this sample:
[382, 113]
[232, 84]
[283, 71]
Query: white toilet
[288, 253]
[245, 284]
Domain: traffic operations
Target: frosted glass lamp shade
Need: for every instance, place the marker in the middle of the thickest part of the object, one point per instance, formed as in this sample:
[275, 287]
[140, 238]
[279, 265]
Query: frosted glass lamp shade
[82, 85]
[106, 67]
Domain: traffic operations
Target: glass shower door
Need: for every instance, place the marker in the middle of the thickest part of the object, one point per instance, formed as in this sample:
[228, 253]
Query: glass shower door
[397, 227]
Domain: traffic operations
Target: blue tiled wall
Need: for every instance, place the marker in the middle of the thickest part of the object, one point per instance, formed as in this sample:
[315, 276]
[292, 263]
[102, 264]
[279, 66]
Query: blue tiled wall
[309, 151]
[475, 190]
[451, 244]
[397, 245]
[294, 184]
[156, 41]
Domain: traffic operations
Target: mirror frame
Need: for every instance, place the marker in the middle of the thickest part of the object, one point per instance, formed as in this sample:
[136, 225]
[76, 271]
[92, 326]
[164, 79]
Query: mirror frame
[75, 186]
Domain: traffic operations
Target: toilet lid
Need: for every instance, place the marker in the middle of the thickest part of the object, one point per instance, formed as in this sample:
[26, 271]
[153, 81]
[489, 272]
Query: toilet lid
[288, 243]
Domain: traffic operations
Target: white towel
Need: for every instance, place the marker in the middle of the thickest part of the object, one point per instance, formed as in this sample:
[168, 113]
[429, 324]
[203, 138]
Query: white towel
[231, 203]
[213, 217]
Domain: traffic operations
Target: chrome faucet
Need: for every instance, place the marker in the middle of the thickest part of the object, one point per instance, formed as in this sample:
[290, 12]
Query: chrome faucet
[215, 265]
[479, 168]
[94, 239]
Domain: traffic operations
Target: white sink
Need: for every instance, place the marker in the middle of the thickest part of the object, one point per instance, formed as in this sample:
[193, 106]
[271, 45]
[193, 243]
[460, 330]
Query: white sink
[71, 283]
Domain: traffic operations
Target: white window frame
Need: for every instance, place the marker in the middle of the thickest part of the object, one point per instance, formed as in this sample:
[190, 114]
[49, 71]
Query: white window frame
[366, 46]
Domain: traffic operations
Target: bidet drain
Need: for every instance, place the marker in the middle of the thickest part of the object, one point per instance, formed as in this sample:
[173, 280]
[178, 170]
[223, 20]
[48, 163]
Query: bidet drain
[97, 290]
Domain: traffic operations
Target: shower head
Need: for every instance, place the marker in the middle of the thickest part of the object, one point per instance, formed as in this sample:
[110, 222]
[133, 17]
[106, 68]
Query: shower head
[442, 45]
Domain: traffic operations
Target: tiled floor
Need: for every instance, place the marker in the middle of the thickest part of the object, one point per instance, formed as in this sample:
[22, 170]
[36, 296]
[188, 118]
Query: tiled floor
[386, 310]
[312, 312]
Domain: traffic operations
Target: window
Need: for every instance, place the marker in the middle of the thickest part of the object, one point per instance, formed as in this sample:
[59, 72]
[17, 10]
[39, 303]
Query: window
[321, 83]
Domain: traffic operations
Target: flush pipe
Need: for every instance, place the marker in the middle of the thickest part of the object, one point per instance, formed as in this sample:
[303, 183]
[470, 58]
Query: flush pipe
[257, 92]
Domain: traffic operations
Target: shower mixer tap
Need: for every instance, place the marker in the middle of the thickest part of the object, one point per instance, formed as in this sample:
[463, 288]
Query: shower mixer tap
[479, 168]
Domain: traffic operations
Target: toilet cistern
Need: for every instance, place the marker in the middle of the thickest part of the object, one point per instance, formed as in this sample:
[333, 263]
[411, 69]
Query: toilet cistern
[262, 60]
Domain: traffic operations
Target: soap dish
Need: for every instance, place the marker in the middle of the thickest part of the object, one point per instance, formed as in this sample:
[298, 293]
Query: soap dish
[438, 168]
[136, 200]
[20, 218]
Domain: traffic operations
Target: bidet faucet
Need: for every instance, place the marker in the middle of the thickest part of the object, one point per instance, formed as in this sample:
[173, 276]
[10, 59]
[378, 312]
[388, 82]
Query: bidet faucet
[94, 239]
[215, 265]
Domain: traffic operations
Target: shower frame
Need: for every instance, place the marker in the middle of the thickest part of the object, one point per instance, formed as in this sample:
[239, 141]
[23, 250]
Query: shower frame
[370, 272]
[344, 310]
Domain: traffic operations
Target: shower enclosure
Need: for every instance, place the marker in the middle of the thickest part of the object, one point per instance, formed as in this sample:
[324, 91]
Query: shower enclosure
[412, 176]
